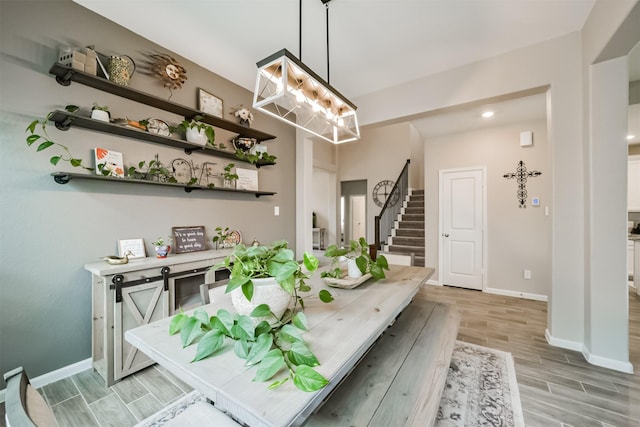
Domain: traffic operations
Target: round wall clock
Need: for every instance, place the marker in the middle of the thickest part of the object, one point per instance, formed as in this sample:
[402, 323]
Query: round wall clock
[168, 70]
[382, 190]
[159, 127]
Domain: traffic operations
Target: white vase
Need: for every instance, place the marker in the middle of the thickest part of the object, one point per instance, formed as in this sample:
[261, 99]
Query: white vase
[265, 291]
[352, 269]
[196, 136]
[100, 115]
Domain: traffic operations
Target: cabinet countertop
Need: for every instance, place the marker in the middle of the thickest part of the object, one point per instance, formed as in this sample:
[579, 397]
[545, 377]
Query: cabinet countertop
[103, 268]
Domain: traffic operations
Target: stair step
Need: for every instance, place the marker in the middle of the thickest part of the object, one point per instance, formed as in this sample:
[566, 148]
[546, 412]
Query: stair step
[414, 210]
[416, 199]
[413, 217]
[415, 204]
[417, 192]
[418, 261]
[408, 232]
[408, 241]
[412, 224]
[418, 250]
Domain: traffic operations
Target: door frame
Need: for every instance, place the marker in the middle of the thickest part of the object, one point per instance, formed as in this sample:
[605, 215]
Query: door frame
[485, 254]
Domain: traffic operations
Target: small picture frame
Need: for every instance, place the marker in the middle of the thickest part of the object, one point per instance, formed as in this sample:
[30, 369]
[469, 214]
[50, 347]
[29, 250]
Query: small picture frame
[209, 103]
[135, 246]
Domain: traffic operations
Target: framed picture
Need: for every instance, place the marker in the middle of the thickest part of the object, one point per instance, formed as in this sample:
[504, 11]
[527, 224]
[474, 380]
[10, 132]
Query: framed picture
[209, 103]
[136, 246]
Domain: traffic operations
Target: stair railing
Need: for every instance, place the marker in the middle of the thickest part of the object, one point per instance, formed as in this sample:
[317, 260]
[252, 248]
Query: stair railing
[392, 207]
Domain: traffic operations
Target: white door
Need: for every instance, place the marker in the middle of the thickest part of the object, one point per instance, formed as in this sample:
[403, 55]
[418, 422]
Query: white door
[462, 202]
[358, 217]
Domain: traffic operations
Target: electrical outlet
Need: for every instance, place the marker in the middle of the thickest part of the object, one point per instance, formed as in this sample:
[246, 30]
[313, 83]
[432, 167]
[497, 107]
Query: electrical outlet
[276, 210]
[527, 274]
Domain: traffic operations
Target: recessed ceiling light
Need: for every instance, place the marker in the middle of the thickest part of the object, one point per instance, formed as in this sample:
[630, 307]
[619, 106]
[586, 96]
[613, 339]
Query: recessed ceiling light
[487, 114]
[630, 137]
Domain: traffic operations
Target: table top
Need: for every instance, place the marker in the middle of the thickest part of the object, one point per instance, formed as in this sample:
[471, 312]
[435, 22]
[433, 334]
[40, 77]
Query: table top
[340, 333]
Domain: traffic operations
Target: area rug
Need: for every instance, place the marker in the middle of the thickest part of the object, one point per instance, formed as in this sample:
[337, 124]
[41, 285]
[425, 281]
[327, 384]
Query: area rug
[481, 389]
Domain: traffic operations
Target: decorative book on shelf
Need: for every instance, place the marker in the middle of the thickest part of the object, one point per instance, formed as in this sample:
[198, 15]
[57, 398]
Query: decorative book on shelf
[109, 160]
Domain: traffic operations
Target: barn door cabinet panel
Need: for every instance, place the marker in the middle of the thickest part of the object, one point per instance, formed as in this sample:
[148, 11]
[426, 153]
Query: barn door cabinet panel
[142, 291]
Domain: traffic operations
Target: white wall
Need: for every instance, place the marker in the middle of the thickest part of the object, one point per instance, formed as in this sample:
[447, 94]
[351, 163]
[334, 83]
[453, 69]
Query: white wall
[517, 238]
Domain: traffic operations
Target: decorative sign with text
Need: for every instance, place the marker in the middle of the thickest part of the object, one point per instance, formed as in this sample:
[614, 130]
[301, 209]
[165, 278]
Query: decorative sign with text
[189, 239]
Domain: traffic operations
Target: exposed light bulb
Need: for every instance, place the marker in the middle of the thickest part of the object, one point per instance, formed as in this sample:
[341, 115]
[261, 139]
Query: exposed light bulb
[630, 137]
[487, 114]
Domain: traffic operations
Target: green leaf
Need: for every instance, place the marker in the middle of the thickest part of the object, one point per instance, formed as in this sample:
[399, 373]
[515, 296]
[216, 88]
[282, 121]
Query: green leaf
[32, 138]
[190, 331]
[202, 316]
[282, 271]
[303, 287]
[270, 365]
[310, 262]
[260, 349]
[54, 160]
[216, 324]
[176, 323]
[377, 272]
[289, 333]
[75, 162]
[325, 296]
[262, 328]
[283, 256]
[278, 383]
[241, 348]
[243, 329]
[247, 290]
[71, 108]
[362, 263]
[225, 318]
[44, 145]
[32, 127]
[300, 321]
[261, 311]
[307, 379]
[381, 262]
[299, 354]
[333, 251]
[208, 345]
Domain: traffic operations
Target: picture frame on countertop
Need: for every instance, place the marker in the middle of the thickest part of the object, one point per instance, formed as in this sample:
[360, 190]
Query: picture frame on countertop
[210, 104]
[136, 246]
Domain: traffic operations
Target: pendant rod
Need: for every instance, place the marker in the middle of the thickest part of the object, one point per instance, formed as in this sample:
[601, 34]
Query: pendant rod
[300, 31]
[326, 5]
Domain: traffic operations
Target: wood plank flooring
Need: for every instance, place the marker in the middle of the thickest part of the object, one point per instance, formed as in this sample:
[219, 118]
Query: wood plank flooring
[557, 387]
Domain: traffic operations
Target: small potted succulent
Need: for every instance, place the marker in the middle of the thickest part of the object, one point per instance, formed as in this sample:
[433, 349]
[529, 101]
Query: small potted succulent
[100, 112]
[162, 248]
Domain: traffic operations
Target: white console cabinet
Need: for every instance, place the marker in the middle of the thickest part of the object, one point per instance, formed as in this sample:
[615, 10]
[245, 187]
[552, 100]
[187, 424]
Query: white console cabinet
[139, 292]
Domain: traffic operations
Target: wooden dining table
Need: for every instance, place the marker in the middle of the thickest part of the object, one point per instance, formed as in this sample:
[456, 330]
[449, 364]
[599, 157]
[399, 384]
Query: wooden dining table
[340, 334]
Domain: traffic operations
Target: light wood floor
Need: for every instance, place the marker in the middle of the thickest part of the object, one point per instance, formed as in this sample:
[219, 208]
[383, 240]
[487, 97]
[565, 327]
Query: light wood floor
[557, 387]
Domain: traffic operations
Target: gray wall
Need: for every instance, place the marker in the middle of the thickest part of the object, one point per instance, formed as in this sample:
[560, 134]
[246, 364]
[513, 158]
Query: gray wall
[517, 238]
[49, 231]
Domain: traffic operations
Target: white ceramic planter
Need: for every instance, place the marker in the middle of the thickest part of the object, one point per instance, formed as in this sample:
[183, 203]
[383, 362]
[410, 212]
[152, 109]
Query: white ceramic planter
[100, 115]
[352, 269]
[265, 291]
[196, 136]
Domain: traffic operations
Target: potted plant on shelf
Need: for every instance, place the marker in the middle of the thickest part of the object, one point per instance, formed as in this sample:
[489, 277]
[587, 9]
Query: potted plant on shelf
[162, 248]
[100, 112]
[229, 177]
[221, 236]
[260, 277]
[197, 132]
[359, 261]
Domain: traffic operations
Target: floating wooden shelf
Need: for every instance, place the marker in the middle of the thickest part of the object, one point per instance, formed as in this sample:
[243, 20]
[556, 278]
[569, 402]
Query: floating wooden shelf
[65, 177]
[64, 120]
[65, 75]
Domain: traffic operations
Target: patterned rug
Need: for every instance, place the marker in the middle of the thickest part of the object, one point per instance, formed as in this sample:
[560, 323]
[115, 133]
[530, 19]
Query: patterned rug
[481, 389]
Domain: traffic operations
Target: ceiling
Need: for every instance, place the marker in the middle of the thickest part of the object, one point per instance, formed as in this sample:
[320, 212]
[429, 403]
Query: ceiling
[374, 44]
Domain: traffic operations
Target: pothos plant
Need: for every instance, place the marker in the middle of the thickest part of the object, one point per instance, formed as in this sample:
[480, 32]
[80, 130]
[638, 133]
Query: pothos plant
[358, 250]
[42, 137]
[270, 347]
[221, 235]
[263, 157]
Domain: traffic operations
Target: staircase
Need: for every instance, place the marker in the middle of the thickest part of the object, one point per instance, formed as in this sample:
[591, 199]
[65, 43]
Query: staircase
[407, 234]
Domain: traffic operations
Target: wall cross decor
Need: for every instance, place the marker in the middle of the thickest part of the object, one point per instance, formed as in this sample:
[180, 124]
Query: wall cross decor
[521, 174]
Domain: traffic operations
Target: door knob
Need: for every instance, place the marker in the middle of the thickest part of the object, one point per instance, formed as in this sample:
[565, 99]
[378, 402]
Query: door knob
[445, 234]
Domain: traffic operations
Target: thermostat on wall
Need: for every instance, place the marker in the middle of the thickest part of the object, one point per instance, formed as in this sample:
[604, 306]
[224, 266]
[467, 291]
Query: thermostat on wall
[535, 201]
[526, 138]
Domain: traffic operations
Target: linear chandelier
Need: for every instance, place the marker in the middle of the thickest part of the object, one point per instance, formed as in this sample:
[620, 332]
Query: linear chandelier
[290, 91]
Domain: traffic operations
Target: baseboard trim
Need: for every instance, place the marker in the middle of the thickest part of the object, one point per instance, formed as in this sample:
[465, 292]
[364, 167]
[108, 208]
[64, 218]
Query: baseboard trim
[433, 282]
[559, 342]
[605, 362]
[508, 293]
[58, 374]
